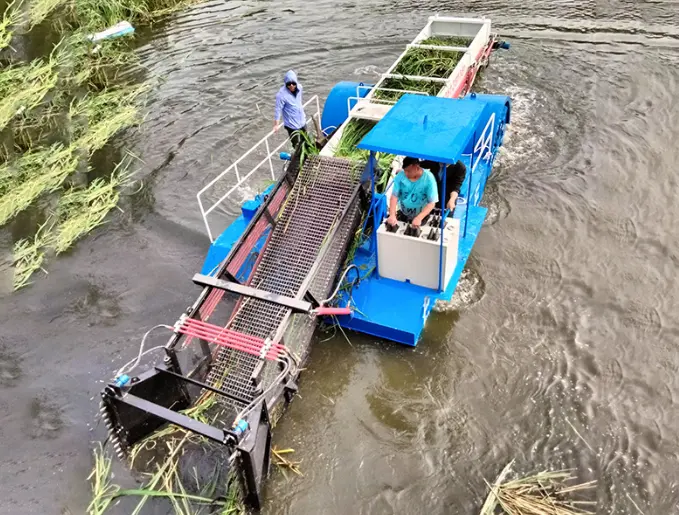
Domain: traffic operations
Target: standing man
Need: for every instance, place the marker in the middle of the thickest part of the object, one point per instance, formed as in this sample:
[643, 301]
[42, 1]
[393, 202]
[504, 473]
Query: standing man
[289, 106]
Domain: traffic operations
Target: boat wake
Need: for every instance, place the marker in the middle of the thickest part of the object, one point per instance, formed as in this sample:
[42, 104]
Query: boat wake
[470, 290]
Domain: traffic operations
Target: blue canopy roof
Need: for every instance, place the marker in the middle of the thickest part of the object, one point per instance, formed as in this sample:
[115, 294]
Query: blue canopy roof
[427, 127]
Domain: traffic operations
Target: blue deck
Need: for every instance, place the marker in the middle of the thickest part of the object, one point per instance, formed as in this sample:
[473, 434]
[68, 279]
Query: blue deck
[445, 131]
[398, 311]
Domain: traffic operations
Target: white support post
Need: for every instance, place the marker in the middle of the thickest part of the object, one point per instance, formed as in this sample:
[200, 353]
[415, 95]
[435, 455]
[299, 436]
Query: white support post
[268, 153]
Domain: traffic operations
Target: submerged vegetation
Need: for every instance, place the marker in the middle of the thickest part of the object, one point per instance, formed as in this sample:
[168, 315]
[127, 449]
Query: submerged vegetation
[58, 110]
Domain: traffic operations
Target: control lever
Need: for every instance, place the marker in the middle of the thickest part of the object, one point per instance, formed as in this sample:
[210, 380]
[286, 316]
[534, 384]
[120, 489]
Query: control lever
[413, 231]
[391, 228]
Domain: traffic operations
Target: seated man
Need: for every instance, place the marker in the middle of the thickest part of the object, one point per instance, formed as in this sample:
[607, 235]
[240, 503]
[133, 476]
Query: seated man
[414, 192]
[455, 175]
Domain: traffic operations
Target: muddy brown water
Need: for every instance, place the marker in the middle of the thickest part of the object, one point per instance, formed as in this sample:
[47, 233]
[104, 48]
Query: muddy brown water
[559, 351]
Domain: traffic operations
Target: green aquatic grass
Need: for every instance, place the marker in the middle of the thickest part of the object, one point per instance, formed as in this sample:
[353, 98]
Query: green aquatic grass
[81, 210]
[111, 65]
[10, 18]
[33, 174]
[354, 131]
[98, 15]
[165, 481]
[96, 118]
[41, 124]
[23, 87]
[103, 490]
[421, 62]
[29, 255]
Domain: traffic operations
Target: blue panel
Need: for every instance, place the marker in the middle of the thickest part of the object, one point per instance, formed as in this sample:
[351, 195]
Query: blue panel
[435, 128]
[336, 108]
[222, 245]
[501, 104]
[395, 310]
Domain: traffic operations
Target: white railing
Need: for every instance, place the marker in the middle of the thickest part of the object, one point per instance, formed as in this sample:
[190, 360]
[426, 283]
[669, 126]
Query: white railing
[233, 169]
[358, 99]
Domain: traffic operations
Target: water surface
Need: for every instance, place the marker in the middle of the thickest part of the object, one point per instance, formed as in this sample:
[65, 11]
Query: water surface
[560, 350]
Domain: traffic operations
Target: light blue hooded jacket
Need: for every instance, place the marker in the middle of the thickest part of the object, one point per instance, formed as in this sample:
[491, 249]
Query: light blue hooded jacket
[289, 105]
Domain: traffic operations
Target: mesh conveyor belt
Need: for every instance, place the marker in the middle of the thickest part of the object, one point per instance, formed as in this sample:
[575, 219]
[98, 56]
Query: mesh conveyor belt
[322, 191]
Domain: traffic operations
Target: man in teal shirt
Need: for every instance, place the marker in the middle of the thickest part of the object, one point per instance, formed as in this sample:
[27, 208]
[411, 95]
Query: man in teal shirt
[414, 193]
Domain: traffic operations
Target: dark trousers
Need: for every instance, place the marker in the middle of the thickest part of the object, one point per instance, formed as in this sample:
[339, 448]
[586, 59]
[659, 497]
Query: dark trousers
[295, 136]
[402, 217]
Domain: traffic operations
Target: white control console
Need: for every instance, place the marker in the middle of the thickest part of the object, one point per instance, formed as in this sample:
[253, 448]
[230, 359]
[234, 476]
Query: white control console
[415, 259]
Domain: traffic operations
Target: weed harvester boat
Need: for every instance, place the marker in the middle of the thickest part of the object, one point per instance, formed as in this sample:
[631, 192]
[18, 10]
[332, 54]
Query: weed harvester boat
[314, 244]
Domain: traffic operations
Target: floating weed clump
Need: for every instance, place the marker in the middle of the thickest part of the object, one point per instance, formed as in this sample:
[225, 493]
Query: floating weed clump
[33, 174]
[169, 476]
[64, 107]
[544, 493]
[164, 483]
[103, 491]
[109, 65]
[81, 210]
[46, 121]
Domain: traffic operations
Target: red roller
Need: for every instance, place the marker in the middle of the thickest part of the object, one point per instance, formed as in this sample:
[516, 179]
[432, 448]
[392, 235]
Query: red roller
[228, 338]
[326, 311]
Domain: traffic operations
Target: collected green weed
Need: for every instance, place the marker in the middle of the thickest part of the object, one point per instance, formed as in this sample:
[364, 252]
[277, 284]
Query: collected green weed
[402, 85]
[425, 62]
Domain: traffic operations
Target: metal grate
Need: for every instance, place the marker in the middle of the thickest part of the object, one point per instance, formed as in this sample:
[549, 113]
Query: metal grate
[321, 192]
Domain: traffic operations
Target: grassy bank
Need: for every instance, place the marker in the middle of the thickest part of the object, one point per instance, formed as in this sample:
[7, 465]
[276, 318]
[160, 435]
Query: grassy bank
[58, 110]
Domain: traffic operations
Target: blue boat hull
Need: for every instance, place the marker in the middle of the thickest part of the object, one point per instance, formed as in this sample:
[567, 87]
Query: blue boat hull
[382, 307]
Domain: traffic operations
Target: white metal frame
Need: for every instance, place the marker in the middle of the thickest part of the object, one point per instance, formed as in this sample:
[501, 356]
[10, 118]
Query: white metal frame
[363, 100]
[477, 28]
[234, 167]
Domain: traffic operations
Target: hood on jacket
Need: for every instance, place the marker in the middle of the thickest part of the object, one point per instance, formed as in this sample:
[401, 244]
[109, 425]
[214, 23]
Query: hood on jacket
[290, 77]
